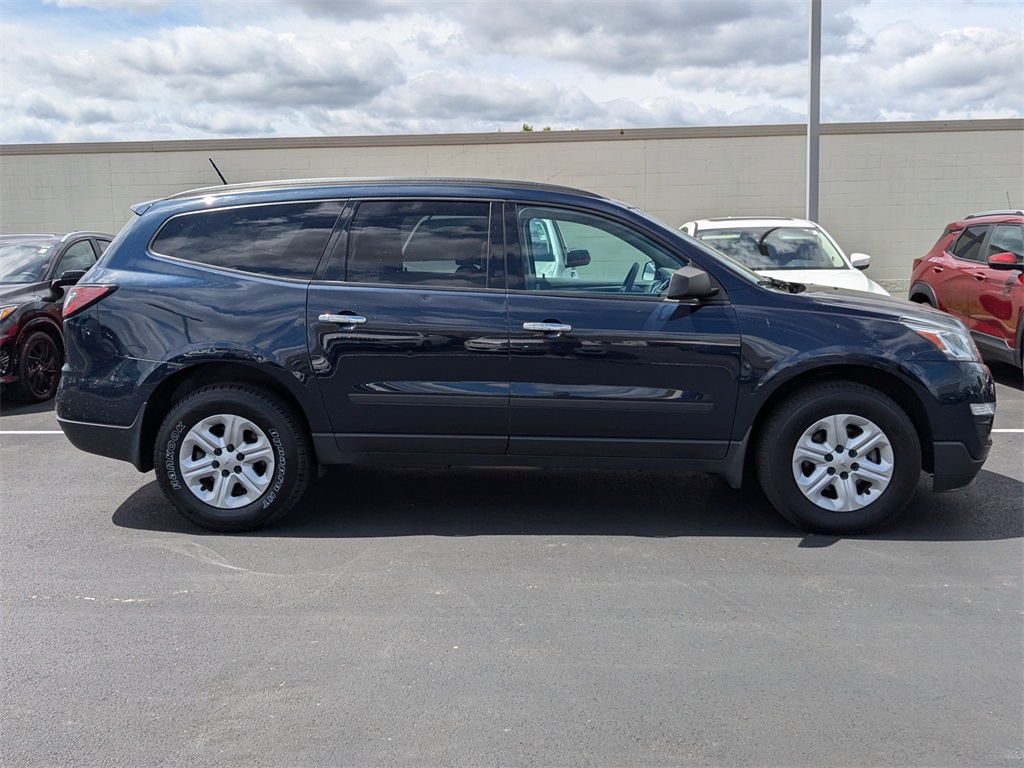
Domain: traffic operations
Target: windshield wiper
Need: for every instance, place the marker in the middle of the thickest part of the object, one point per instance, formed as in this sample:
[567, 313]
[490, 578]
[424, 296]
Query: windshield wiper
[782, 285]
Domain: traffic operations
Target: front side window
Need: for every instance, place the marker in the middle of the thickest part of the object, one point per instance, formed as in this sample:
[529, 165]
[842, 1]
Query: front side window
[432, 243]
[1007, 238]
[79, 255]
[968, 245]
[565, 250]
[279, 240]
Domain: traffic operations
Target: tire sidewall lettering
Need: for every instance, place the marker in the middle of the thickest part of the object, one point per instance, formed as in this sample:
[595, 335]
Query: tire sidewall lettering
[170, 458]
[282, 466]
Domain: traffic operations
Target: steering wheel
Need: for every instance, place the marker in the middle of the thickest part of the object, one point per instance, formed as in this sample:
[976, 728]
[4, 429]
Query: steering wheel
[627, 282]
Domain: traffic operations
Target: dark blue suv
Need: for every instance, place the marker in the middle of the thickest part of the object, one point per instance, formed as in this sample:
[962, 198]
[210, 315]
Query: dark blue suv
[237, 339]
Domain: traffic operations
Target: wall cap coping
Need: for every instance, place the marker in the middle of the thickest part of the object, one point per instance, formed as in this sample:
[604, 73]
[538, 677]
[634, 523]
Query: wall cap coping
[516, 137]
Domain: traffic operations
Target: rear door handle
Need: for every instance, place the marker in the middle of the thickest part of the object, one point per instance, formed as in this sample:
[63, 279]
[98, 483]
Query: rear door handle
[342, 319]
[548, 329]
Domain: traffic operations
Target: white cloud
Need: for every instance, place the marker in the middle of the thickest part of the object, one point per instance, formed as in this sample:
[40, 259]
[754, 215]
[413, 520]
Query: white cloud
[139, 6]
[146, 69]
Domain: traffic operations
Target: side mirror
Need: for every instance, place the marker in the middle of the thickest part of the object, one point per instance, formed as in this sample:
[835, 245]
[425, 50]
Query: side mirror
[577, 257]
[1005, 261]
[860, 260]
[690, 284]
[649, 272]
[70, 277]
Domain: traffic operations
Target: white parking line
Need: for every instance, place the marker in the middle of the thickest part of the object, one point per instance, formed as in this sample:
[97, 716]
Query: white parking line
[31, 432]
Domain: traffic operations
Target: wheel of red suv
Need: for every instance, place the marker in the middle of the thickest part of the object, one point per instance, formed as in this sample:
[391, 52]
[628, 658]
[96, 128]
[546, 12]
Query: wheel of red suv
[232, 458]
[839, 458]
[39, 362]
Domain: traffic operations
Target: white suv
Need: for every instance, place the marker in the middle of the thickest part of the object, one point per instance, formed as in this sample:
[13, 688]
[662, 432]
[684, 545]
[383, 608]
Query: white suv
[795, 250]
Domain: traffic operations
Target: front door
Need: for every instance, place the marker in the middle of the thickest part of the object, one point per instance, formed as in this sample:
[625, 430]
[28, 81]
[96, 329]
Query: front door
[996, 301]
[602, 364]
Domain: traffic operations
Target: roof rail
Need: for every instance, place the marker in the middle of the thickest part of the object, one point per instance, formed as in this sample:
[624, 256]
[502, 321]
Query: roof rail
[994, 213]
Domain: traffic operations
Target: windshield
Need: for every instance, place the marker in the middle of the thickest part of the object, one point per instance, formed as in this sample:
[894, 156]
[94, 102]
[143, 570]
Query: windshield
[771, 248]
[23, 262]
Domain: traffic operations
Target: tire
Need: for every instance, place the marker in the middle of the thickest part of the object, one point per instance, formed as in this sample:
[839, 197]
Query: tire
[839, 458]
[238, 491]
[39, 361]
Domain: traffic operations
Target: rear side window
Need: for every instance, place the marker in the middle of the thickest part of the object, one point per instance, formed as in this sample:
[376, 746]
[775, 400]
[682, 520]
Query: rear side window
[435, 243]
[968, 245]
[279, 240]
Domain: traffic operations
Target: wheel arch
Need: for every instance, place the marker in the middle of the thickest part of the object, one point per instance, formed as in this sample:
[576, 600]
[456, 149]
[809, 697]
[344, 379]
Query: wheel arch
[921, 293]
[45, 324]
[178, 385]
[885, 382]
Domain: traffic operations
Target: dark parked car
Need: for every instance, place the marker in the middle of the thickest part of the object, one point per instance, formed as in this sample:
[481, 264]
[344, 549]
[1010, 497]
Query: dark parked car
[236, 339]
[34, 271]
[975, 271]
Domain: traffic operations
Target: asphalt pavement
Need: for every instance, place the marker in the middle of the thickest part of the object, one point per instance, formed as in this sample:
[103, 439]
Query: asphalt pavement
[483, 617]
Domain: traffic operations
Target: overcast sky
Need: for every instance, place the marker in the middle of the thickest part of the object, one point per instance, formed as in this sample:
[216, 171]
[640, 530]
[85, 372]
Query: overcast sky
[127, 70]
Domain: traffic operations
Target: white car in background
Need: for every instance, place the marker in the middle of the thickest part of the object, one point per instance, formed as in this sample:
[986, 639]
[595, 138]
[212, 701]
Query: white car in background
[794, 250]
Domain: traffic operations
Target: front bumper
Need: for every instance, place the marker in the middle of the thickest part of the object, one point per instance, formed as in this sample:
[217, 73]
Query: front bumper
[955, 467]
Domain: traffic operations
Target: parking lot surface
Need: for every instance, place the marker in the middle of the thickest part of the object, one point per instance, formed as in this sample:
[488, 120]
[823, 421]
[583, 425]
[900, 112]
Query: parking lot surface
[434, 617]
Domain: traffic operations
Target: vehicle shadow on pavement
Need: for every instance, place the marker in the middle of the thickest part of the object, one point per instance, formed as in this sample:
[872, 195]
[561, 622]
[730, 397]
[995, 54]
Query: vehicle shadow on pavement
[10, 407]
[1007, 375]
[368, 502]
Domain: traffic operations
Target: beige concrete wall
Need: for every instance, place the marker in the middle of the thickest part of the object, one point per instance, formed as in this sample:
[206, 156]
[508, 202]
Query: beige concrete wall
[887, 189]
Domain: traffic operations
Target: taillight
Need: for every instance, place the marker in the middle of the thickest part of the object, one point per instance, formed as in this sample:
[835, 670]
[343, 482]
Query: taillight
[79, 297]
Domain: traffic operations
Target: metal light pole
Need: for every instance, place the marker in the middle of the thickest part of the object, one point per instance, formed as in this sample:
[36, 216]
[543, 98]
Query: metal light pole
[813, 109]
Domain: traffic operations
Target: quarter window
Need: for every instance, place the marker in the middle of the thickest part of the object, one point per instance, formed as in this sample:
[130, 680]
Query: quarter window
[435, 243]
[280, 240]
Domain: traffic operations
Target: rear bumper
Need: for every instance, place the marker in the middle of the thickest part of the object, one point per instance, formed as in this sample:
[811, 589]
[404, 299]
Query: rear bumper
[110, 440]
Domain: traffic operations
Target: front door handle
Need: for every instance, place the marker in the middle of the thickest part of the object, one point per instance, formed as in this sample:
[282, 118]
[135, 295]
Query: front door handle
[342, 319]
[549, 329]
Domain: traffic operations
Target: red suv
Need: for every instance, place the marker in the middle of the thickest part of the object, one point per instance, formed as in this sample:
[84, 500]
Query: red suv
[976, 272]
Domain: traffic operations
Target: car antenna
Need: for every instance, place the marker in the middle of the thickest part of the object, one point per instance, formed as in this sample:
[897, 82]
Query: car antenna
[223, 180]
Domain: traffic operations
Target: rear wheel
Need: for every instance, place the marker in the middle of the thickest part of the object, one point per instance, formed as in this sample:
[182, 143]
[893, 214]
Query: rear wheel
[39, 362]
[839, 458]
[232, 458]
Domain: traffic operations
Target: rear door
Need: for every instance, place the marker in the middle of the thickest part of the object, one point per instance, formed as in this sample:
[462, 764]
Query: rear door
[408, 329]
[958, 271]
[602, 364]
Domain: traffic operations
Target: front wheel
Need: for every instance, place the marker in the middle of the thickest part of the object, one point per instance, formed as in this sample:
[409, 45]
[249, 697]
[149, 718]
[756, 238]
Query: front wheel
[231, 458]
[839, 458]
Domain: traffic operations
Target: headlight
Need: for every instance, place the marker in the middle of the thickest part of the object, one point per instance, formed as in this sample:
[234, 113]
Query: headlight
[5, 311]
[956, 344]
